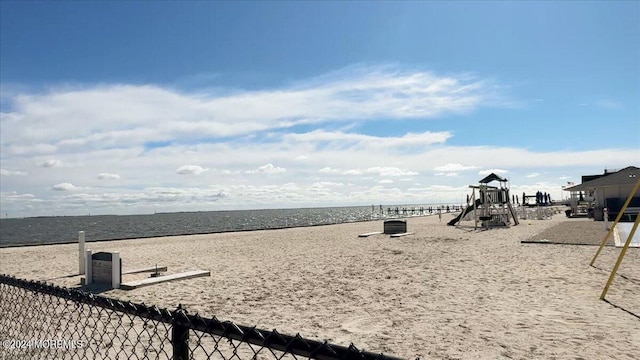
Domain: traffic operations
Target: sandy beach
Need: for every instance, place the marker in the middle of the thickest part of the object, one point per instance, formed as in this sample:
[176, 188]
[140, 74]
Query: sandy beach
[443, 293]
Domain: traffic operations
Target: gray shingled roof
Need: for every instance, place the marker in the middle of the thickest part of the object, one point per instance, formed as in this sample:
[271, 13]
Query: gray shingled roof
[492, 177]
[626, 176]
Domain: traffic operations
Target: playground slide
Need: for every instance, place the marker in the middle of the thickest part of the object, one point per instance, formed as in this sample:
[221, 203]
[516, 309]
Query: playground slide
[514, 215]
[464, 213]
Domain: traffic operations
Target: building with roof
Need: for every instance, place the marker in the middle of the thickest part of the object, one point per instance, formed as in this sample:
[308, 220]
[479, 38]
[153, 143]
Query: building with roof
[610, 190]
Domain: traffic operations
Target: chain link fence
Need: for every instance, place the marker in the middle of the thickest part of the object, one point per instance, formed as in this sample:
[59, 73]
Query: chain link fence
[43, 321]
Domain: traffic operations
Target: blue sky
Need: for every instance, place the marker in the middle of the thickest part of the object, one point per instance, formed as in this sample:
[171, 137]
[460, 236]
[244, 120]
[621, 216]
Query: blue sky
[135, 107]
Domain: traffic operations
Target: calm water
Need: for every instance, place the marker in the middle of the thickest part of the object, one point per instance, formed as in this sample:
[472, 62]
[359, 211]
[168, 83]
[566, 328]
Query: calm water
[64, 229]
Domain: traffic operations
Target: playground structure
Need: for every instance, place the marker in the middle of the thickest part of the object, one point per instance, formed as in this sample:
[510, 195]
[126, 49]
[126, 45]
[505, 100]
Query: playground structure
[490, 205]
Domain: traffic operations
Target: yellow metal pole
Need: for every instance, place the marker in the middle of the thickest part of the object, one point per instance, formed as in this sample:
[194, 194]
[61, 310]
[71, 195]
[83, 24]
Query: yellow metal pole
[624, 207]
[624, 250]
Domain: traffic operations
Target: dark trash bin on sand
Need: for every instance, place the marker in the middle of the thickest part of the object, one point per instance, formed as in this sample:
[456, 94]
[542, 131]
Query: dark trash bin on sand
[395, 227]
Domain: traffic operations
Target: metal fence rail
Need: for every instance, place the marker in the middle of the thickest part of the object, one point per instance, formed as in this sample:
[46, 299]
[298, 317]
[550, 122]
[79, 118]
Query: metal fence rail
[43, 321]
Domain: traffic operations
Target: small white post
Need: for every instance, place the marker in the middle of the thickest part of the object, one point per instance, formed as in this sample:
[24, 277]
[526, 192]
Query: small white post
[88, 275]
[81, 259]
[115, 269]
[606, 219]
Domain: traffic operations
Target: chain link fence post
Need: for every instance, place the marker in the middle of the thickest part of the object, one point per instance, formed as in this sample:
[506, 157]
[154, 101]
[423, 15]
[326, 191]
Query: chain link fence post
[180, 335]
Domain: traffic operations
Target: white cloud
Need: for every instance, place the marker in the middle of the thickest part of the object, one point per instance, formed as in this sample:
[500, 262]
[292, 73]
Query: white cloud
[609, 104]
[454, 167]
[8, 196]
[129, 115]
[352, 172]
[350, 140]
[324, 166]
[50, 163]
[450, 174]
[495, 171]
[311, 135]
[326, 184]
[107, 176]
[389, 171]
[532, 175]
[377, 170]
[267, 169]
[64, 187]
[190, 170]
[5, 172]
[328, 170]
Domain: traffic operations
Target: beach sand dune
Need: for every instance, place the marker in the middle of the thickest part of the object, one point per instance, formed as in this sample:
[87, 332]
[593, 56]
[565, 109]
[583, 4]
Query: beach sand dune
[445, 292]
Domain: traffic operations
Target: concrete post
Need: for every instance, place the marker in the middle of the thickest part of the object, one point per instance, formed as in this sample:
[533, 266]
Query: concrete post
[81, 259]
[115, 269]
[88, 275]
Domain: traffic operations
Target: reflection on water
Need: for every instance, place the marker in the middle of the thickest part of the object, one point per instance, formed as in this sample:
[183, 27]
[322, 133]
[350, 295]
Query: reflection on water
[64, 229]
